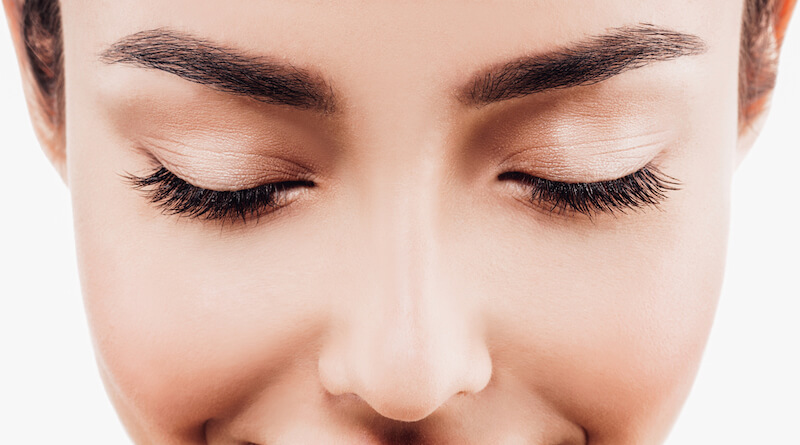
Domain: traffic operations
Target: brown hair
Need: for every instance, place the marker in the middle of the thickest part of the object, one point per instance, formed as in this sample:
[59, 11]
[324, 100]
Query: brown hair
[762, 34]
[763, 26]
[41, 28]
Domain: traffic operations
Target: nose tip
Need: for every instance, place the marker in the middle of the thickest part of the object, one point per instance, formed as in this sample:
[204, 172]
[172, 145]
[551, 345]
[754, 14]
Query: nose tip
[403, 411]
[410, 398]
[402, 386]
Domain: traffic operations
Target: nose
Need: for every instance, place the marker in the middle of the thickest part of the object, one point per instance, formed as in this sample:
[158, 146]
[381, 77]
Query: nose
[406, 367]
[405, 361]
[408, 335]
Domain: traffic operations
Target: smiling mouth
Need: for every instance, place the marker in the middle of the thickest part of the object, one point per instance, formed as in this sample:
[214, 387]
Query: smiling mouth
[410, 436]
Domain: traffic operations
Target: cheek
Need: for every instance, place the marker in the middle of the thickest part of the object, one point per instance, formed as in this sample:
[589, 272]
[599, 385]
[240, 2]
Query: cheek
[188, 321]
[609, 320]
[185, 336]
[610, 330]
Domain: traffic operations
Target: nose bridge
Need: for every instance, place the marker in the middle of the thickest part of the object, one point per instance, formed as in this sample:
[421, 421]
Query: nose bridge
[407, 343]
[401, 247]
[400, 243]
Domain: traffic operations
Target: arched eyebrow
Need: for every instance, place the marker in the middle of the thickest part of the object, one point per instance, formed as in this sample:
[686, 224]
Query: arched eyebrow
[222, 68]
[229, 70]
[587, 62]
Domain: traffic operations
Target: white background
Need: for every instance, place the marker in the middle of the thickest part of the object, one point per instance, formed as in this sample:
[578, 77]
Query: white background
[747, 391]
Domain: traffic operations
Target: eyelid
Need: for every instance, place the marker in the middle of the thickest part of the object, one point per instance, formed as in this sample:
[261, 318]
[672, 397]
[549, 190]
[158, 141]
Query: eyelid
[592, 160]
[227, 170]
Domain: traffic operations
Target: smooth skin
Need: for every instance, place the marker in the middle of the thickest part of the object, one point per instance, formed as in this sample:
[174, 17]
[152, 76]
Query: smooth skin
[410, 296]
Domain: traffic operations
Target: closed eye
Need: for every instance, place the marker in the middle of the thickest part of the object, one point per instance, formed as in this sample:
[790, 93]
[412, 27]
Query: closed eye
[175, 196]
[645, 187]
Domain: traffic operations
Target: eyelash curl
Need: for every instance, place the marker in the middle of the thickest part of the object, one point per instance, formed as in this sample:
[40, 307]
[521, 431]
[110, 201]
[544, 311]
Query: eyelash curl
[174, 196]
[645, 187]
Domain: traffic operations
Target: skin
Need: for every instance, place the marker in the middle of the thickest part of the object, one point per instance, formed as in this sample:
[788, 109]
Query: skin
[410, 296]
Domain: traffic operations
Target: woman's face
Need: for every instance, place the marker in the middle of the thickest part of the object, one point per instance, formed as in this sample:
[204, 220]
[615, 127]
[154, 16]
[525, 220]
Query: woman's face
[435, 269]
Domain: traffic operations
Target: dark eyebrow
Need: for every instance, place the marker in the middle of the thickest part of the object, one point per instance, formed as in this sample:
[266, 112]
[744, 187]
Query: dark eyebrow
[222, 68]
[587, 62]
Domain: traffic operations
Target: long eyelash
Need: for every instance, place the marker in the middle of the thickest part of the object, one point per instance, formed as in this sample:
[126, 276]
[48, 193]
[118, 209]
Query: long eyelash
[174, 196]
[646, 187]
